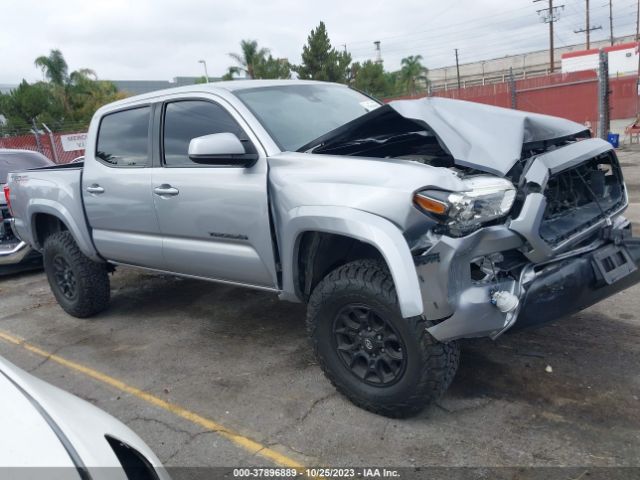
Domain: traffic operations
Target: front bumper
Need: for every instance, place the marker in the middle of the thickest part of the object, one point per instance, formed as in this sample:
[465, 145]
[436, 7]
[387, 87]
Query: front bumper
[572, 286]
[546, 291]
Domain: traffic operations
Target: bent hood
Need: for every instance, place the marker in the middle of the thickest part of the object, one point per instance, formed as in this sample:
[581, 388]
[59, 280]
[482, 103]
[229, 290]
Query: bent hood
[478, 136]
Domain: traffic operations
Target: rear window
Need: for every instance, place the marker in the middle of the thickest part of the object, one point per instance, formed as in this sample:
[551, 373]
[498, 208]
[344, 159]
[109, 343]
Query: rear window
[12, 161]
[123, 138]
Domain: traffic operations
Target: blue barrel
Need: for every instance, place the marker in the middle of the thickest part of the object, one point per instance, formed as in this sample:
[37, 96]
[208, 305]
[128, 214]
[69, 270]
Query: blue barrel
[614, 139]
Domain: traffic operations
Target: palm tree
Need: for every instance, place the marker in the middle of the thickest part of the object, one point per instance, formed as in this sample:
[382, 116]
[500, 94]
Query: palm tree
[411, 71]
[250, 57]
[83, 75]
[54, 67]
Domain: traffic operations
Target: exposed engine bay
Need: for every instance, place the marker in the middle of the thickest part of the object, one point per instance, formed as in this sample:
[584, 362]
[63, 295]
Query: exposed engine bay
[578, 197]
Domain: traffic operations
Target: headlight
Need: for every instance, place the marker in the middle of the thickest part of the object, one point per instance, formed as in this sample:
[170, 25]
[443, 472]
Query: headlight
[482, 200]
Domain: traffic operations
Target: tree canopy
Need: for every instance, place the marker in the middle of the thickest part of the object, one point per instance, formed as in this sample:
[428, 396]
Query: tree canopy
[65, 101]
[413, 74]
[256, 62]
[54, 67]
[320, 61]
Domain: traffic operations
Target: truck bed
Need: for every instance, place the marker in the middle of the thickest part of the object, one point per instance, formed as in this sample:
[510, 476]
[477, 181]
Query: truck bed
[54, 190]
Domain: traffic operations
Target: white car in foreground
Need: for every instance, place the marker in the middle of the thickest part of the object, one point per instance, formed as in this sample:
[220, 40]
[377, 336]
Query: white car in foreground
[48, 433]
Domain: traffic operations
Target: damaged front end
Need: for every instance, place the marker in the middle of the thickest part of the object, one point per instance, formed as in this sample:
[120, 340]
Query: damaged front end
[564, 247]
[535, 232]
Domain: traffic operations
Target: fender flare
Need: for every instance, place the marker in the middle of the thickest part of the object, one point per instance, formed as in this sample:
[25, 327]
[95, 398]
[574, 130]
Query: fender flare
[80, 233]
[365, 227]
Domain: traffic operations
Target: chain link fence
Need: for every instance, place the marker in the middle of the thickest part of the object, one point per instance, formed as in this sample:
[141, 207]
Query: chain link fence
[61, 146]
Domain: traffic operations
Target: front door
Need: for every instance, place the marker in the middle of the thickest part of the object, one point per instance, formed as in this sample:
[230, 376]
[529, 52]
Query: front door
[214, 220]
[116, 190]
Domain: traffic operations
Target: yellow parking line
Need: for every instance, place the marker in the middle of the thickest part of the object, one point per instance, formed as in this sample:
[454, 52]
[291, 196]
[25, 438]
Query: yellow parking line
[244, 442]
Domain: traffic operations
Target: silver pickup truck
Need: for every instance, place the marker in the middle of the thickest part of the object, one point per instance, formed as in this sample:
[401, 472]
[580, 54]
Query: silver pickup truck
[404, 227]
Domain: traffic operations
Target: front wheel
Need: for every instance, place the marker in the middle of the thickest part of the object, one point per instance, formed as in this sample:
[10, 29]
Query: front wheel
[380, 361]
[80, 285]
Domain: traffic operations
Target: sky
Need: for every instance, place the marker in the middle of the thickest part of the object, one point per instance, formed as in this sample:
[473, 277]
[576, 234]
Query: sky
[162, 39]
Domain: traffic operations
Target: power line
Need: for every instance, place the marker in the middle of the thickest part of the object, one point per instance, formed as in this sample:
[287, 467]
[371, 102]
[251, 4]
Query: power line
[475, 21]
[435, 39]
[512, 43]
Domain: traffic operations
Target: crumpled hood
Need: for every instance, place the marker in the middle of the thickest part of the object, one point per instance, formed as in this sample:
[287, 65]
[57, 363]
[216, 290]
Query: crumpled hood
[479, 136]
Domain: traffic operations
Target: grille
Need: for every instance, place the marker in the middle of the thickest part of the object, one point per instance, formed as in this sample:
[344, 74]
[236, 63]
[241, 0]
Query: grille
[580, 197]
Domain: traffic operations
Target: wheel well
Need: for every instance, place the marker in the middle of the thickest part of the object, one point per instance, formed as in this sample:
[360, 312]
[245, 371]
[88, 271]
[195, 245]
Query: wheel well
[320, 253]
[46, 225]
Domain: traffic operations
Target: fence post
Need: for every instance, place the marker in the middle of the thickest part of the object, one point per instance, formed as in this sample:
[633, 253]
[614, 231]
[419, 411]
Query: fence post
[52, 142]
[603, 95]
[37, 135]
[512, 89]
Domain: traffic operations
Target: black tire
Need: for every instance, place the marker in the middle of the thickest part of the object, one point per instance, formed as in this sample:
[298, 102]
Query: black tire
[80, 285]
[426, 368]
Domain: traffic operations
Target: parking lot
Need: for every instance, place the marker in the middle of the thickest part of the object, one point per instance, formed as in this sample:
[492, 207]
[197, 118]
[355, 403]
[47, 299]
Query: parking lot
[211, 375]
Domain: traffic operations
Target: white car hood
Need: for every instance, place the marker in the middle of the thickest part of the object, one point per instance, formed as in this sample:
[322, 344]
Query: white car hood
[82, 425]
[26, 440]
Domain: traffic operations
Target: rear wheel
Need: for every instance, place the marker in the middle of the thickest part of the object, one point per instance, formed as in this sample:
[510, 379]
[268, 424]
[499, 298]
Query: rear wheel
[80, 285]
[380, 361]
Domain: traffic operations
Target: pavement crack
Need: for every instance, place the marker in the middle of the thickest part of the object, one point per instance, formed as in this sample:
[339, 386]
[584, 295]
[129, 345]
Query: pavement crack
[186, 444]
[314, 404]
[166, 425]
[55, 352]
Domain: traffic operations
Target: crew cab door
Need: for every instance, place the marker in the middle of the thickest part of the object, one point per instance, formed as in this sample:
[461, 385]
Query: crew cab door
[214, 220]
[116, 189]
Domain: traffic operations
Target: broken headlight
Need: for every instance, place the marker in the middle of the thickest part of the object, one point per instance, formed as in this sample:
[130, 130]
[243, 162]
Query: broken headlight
[483, 199]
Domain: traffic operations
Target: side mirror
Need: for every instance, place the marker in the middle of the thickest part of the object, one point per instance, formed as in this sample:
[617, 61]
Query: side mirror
[224, 149]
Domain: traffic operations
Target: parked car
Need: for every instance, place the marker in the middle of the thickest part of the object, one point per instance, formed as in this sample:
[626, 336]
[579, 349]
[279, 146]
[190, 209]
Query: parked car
[14, 254]
[403, 227]
[57, 435]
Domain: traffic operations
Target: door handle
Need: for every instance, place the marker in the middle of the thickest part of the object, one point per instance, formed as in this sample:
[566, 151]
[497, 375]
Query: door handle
[166, 190]
[95, 189]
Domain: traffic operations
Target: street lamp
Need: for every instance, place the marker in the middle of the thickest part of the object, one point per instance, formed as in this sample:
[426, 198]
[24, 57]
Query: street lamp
[206, 74]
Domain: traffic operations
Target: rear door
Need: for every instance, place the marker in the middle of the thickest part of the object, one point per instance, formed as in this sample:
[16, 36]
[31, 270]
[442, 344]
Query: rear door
[215, 221]
[116, 189]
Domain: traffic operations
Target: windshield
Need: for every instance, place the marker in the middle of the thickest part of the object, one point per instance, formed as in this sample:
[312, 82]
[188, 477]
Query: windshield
[12, 161]
[296, 114]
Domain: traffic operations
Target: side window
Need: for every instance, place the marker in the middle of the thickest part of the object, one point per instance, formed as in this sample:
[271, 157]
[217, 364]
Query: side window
[123, 138]
[188, 119]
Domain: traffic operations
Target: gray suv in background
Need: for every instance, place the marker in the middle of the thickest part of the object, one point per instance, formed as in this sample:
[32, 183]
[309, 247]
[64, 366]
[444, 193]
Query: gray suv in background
[404, 227]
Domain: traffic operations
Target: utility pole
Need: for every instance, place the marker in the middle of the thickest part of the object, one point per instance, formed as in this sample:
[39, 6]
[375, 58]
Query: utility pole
[458, 67]
[611, 21]
[588, 28]
[550, 15]
[603, 95]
